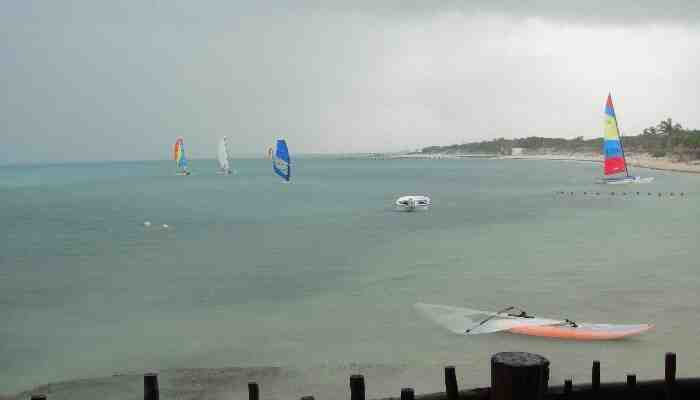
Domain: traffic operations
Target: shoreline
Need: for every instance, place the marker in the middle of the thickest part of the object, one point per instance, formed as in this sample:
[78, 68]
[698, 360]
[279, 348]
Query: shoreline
[633, 160]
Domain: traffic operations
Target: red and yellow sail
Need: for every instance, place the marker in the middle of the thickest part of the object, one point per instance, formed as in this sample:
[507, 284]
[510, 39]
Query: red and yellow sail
[179, 154]
[612, 146]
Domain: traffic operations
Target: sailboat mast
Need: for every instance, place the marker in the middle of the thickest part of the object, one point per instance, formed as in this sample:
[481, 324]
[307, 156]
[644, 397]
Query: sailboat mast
[619, 132]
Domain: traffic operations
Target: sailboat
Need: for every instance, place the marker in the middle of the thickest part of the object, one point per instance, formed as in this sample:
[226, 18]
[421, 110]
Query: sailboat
[615, 162]
[468, 321]
[222, 155]
[281, 163]
[179, 157]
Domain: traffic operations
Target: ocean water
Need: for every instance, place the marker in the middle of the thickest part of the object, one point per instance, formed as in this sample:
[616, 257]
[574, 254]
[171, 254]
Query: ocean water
[319, 276]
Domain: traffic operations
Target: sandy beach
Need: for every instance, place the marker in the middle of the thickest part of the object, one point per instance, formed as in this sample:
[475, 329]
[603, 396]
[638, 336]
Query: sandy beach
[634, 160]
[640, 160]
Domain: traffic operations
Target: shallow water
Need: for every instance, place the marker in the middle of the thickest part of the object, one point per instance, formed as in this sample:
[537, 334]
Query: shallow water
[320, 275]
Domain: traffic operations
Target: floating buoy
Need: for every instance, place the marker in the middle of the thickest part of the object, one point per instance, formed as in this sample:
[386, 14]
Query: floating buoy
[147, 223]
[165, 226]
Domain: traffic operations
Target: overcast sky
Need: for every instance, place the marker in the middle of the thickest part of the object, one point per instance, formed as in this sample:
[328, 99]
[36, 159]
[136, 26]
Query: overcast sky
[111, 80]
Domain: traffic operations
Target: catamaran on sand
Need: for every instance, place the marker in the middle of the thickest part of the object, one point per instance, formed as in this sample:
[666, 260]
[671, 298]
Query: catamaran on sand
[473, 322]
[615, 163]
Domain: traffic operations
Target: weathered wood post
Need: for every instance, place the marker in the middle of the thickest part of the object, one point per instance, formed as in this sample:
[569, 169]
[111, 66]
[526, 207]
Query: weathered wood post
[407, 394]
[631, 386]
[253, 391]
[150, 387]
[595, 376]
[357, 387]
[517, 375]
[451, 388]
[670, 376]
[568, 387]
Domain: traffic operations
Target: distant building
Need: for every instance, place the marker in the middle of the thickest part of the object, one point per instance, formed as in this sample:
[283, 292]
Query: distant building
[516, 151]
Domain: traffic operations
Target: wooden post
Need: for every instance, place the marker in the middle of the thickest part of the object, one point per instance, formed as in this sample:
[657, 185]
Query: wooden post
[150, 387]
[357, 387]
[568, 387]
[407, 394]
[631, 383]
[451, 388]
[595, 376]
[670, 376]
[517, 375]
[253, 391]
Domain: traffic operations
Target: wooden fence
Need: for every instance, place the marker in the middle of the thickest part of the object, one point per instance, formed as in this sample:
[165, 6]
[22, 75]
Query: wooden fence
[515, 375]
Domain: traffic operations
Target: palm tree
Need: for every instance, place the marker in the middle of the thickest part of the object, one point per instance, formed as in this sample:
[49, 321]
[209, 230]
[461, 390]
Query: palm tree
[668, 128]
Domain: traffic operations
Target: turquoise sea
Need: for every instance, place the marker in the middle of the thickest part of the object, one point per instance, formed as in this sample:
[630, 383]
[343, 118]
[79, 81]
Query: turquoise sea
[319, 276]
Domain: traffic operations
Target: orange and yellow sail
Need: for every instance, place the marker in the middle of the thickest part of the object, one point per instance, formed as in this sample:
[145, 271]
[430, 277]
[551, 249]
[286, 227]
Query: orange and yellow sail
[179, 154]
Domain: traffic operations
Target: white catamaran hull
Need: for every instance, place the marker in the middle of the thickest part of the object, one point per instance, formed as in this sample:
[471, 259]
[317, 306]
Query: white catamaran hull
[626, 180]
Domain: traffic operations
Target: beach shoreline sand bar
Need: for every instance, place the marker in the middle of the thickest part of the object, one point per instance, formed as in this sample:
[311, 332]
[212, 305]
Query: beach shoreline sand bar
[633, 160]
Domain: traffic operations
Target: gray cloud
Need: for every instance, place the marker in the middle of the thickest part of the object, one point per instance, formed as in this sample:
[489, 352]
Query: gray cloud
[85, 78]
[592, 11]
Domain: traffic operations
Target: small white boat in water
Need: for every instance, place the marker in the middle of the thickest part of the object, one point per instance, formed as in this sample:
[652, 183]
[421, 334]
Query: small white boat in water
[413, 202]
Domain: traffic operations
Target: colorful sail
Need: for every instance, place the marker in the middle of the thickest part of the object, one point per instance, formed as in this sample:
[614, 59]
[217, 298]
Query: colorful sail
[223, 156]
[179, 154]
[281, 162]
[612, 144]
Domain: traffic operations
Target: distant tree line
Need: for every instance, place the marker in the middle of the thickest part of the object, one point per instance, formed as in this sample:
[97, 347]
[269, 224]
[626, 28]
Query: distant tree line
[666, 139]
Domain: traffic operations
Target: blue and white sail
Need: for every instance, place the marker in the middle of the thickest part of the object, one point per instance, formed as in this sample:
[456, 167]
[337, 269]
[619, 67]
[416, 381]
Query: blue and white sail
[281, 163]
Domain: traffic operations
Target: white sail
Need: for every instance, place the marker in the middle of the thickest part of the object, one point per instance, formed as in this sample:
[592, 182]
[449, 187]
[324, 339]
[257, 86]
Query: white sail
[473, 322]
[223, 156]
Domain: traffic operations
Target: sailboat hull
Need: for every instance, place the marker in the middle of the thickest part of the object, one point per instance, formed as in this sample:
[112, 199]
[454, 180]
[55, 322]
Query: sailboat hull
[626, 180]
[583, 331]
